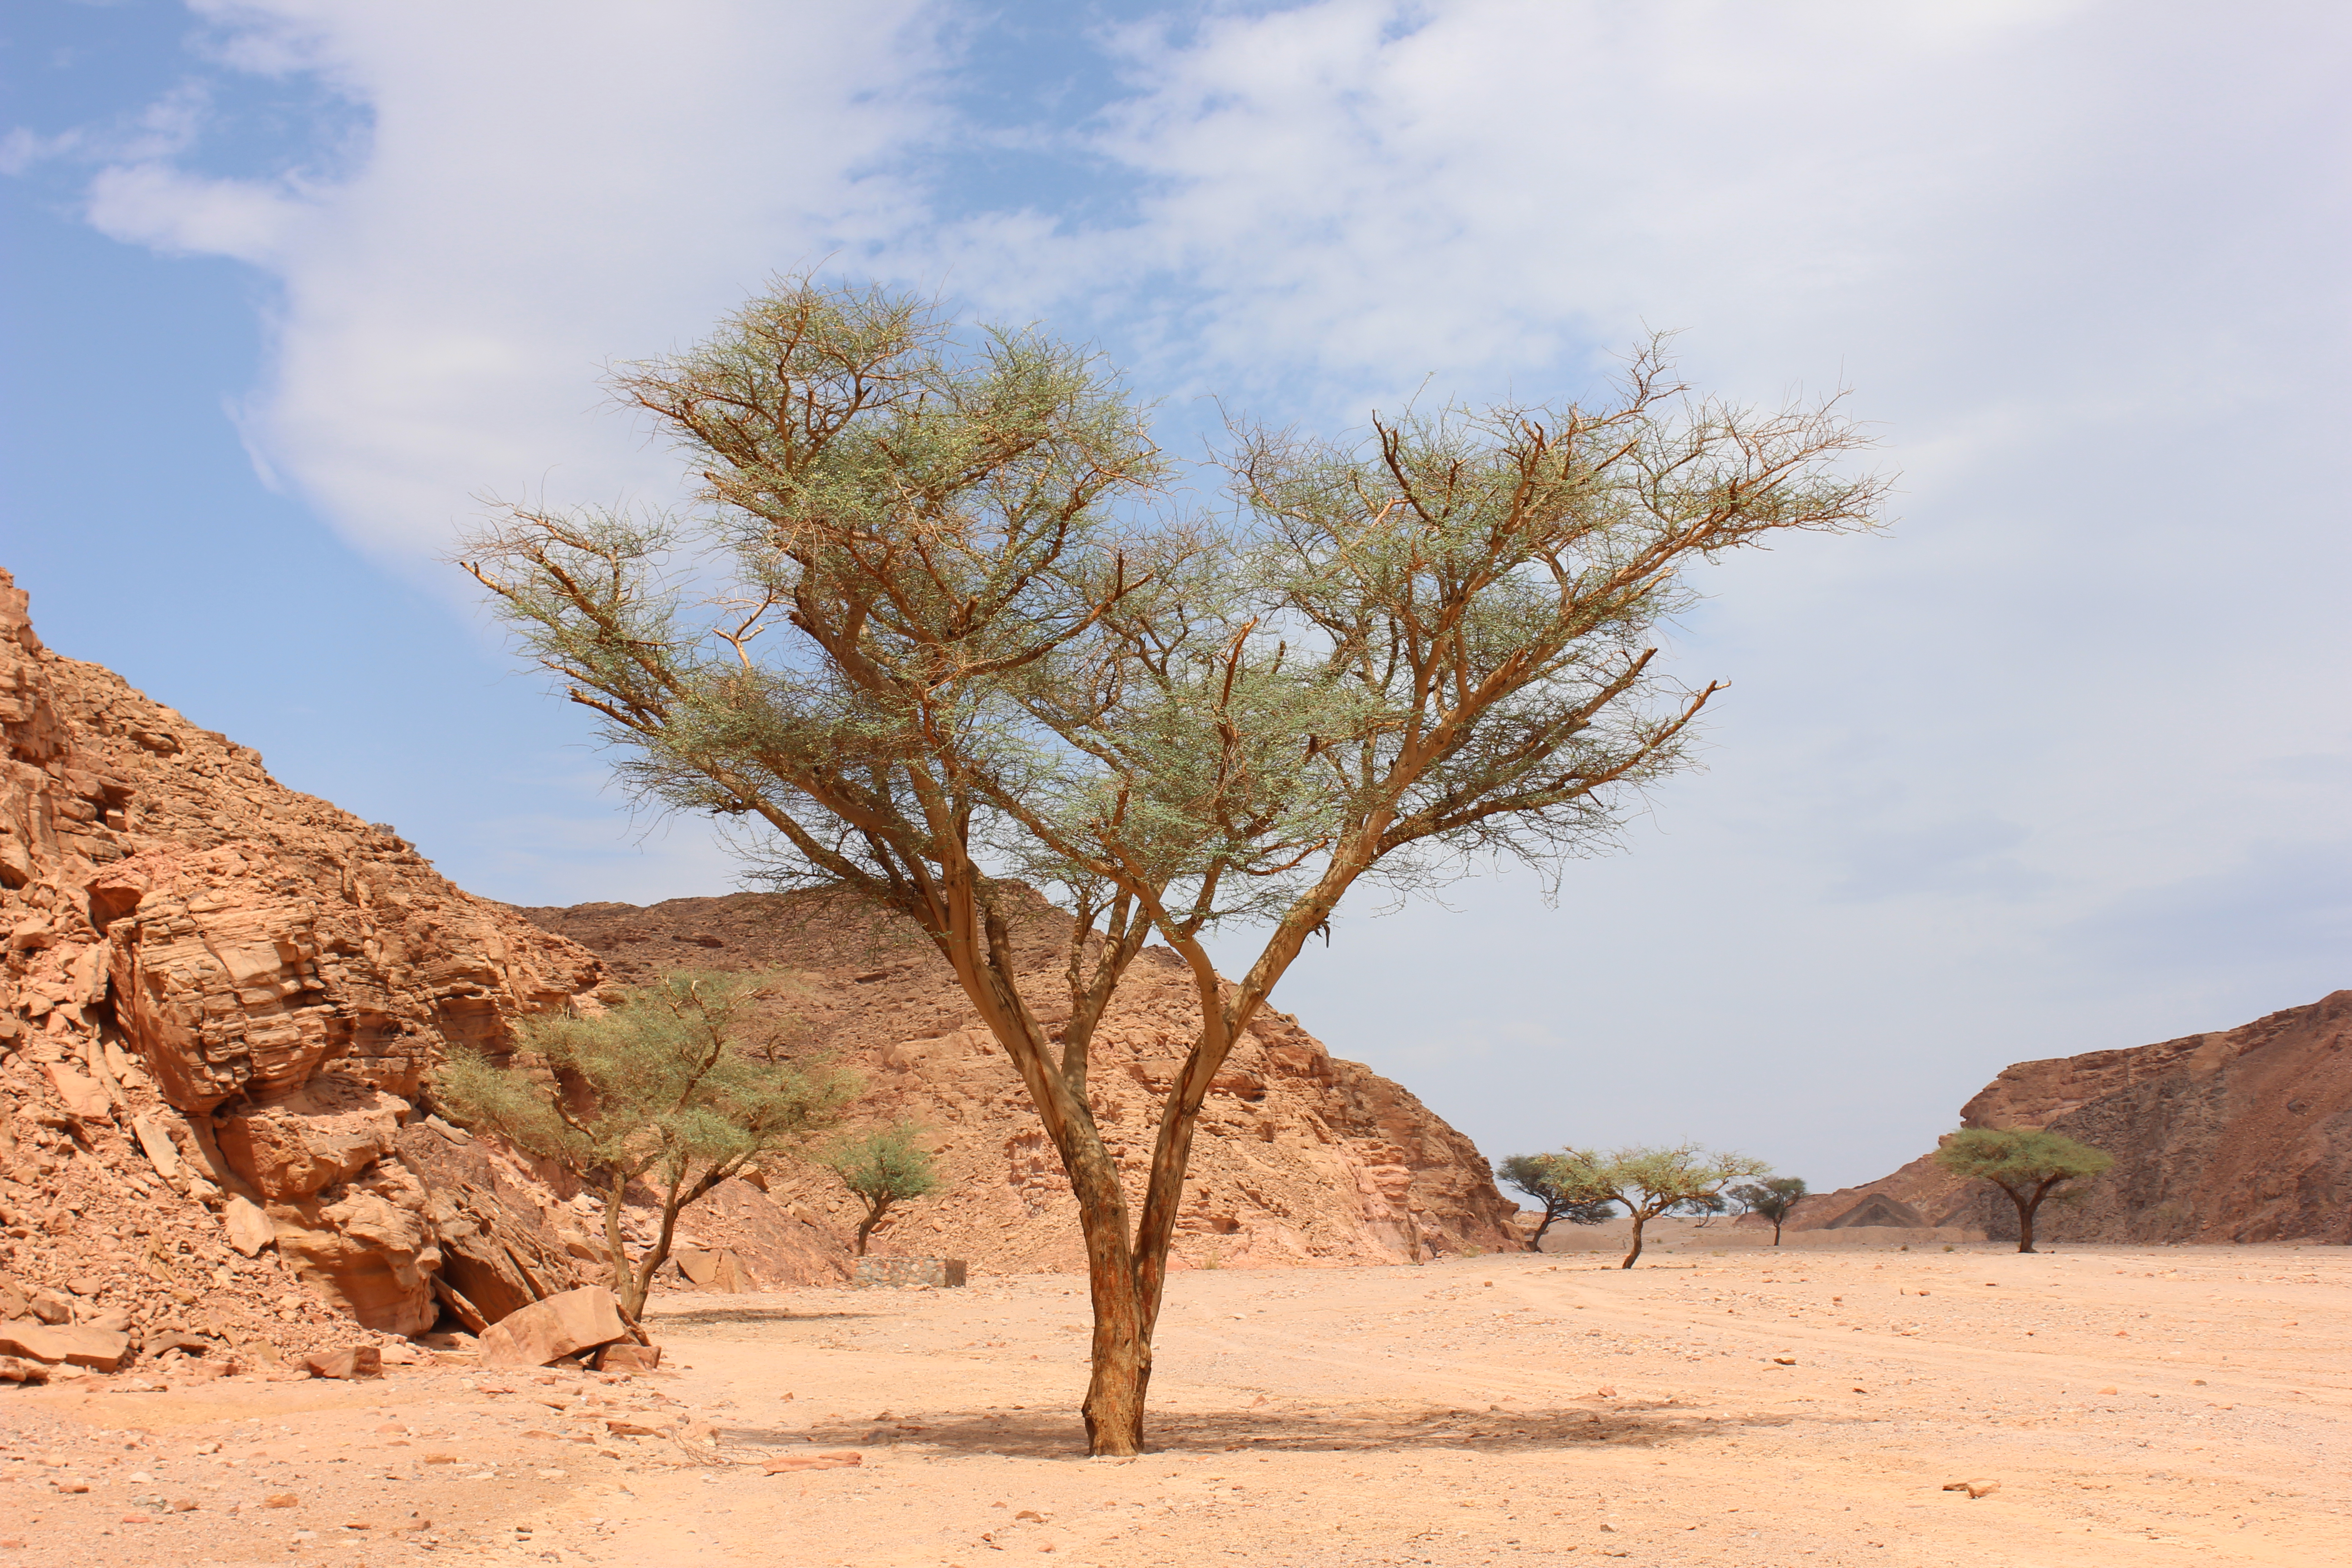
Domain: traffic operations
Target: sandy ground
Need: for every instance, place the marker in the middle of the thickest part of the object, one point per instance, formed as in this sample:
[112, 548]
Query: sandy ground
[1732, 1406]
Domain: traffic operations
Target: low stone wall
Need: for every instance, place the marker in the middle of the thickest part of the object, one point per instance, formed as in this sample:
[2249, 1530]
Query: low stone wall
[941, 1273]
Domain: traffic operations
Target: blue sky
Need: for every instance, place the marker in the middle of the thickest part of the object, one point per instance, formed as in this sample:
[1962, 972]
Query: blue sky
[2059, 764]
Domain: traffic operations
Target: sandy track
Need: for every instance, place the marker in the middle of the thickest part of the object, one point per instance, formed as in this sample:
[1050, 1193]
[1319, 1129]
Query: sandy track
[1325, 1418]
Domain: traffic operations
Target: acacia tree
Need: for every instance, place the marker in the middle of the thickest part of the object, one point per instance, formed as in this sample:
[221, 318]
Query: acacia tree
[677, 1087]
[1654, 1181]
[1540, 1178]
[1005, 654]
[1776, 1198]
[2029, 1163]
[883, 1168]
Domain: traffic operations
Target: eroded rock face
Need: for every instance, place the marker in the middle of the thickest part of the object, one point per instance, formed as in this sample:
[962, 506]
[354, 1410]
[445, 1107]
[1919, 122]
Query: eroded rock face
[2239, 1135]
[1303, 1158]
[218, 999]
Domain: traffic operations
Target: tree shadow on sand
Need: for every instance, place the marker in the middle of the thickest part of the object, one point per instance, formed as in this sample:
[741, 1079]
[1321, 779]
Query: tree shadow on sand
[1059, 1433]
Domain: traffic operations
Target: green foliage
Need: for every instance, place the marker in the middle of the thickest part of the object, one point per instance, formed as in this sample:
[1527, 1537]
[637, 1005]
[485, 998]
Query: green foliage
[678, 1087]
[1775, 1198]
[2029, 1163]
[1541, 1177]
[1651, 1181]
[884, 1166]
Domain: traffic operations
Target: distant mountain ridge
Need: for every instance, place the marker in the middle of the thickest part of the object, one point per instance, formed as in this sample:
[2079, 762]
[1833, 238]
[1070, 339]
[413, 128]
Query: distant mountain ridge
[2243, 1134]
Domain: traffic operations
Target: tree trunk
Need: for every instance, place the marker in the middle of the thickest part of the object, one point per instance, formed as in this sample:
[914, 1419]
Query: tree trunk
[1534, 1242]
[2026, 1205]
[1776, 1233]
[1638, 1217]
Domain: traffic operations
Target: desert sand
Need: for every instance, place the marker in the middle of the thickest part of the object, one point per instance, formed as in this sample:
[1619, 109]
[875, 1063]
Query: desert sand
[1723, 1402]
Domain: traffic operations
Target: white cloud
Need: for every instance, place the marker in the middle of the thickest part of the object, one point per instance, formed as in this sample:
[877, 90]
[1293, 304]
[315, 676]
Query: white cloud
[544, 189]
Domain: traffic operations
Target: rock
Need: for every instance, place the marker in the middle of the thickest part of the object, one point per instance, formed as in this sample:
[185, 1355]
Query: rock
[156, 1144]
[250, 1229]
[156, 1344]
[549, 1330]
[498, 1250]
[51, 1308]
[281, 1499]
[1975, 1489]
[2243, 1135]
[327, 1130]
[624, 1355]
[351, 1361]
[15, 1369]
[100, 1350]
[82, 1097]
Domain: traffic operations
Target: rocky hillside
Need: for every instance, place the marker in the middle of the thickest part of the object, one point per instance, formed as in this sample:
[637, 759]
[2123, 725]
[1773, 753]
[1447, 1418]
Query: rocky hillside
[220, 999]
[2242, 1135]
[1304, 1158]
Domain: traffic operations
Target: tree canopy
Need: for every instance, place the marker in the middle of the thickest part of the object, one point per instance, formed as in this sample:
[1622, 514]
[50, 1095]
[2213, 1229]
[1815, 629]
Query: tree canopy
[942, 619]
[1541, 1178]
[1775, 1198]
[883, 1166]
[678, 1087]
[2029, 1163]
[1651, 1181]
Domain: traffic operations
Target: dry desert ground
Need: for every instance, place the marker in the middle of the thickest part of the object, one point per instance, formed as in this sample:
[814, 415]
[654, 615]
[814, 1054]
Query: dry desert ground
[1731, 1405]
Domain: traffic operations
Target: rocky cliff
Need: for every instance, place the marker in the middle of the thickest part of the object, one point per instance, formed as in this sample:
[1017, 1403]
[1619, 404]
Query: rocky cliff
[2241, 1135]
[1303, 1159]
[218, 1003]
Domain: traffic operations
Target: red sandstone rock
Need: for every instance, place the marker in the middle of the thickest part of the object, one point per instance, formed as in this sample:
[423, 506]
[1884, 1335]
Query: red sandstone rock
[627, 1356]
[351, 1361]
[100, 1350]
[550, 1330]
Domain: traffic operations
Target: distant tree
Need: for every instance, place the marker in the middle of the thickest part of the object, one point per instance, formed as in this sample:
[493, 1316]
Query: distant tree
[677, 1087]
[1653, 1182]
[1541, 1177]
[884, 1166]
[2026, 1163]
[1775, 1198]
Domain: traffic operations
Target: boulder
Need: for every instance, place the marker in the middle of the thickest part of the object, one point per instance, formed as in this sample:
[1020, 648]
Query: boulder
[551, 1330]
[100, 1350]
[250, 1229]
[326, 1131]
[626, 1355]
[351, 1361]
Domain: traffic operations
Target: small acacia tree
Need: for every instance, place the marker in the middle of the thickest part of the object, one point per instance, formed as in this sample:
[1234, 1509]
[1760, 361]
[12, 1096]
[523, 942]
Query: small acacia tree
[677, 1087]
[1541, 1177]
[1775, 1198]
[938, 626]
[1653, 1182]
[2027, 1163]
[883, 1167]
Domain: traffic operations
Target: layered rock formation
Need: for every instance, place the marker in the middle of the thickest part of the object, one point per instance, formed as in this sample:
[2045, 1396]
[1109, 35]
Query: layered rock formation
[218, 1001]
[2239, 1135]
[1303, 1159]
